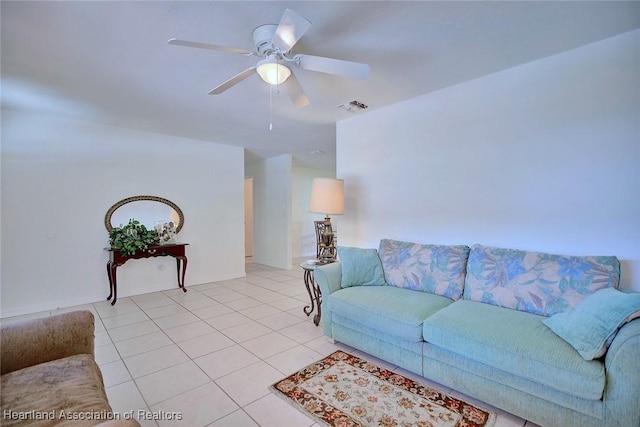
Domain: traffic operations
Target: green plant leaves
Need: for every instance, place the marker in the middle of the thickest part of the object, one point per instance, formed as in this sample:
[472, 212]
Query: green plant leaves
[131, 237]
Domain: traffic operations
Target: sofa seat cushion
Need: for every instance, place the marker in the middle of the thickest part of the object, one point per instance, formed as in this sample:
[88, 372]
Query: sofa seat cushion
[516, 342]
[394, 311]
[70, 387]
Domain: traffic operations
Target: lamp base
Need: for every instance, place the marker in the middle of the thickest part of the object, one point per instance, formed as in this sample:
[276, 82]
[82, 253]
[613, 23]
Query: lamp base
[327, 244]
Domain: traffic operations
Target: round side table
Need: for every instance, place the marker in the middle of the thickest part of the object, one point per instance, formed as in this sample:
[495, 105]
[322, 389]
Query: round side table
[315, 296]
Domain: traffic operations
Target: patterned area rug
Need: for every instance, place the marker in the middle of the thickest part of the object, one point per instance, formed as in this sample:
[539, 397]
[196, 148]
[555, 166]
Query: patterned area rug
[342, 390]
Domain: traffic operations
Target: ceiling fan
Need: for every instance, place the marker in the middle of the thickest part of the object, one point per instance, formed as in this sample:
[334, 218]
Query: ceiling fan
[274, 43]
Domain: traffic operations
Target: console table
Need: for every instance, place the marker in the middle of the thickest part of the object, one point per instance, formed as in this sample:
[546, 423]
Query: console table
[116, 259]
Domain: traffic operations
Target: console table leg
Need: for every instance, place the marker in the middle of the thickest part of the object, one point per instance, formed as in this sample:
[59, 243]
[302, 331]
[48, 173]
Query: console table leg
[113, 282]
[110, 281]
[183, 261]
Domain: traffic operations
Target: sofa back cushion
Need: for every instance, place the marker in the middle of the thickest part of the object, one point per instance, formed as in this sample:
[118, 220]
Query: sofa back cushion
[437, 269]
[536, 282]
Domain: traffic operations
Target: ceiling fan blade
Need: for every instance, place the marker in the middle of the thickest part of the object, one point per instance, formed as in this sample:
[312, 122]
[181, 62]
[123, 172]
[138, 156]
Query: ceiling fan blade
[290, 29]
[295, 91]
[233, 81]
[177, 42]
[354, 70]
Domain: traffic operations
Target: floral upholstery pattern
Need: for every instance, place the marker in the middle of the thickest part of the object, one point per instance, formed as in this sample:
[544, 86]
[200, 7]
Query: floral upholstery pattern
[437, 269]
[539, 283]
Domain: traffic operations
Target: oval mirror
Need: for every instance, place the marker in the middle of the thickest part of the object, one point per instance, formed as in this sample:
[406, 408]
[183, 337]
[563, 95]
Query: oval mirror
[146, 209]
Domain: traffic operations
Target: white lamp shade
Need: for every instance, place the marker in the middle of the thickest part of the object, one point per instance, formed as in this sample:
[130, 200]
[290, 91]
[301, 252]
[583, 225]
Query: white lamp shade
[327, 196]
[272, 72]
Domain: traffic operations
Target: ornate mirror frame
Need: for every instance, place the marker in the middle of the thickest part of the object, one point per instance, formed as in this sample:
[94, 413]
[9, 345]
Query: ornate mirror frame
[112, 209]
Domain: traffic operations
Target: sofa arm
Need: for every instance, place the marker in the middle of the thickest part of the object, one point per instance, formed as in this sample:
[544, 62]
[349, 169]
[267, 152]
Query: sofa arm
[622, 390]
[31, 342]
[328, 277]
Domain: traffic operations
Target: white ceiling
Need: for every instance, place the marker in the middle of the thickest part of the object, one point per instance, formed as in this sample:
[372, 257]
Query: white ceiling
[109, 61]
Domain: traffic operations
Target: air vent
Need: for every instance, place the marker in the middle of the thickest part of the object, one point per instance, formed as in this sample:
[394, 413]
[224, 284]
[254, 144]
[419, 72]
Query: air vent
[353, 106]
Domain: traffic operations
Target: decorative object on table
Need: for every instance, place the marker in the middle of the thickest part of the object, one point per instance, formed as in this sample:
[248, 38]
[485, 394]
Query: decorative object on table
[166, 231]
[319, 227]
[327, 197]
[128, 239]
[321, 239]
[344, 390]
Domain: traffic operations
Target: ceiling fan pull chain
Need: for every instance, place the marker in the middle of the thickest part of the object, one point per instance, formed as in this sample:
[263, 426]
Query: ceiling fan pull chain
[270, 107]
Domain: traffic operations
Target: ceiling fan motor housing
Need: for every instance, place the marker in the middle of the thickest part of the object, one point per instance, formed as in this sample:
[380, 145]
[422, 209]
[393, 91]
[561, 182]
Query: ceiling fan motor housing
[262, 39]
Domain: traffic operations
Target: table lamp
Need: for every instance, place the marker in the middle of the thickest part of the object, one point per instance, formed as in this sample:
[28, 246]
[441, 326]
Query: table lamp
[327, 197]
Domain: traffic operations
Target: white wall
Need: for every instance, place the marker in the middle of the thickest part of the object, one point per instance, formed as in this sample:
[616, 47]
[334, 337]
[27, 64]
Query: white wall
[60, 176]
[272, 211]
[545, 156]
[248, 217]
[303, 229]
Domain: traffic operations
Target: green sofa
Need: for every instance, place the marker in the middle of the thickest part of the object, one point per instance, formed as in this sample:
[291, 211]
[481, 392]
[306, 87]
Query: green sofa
[496, 324]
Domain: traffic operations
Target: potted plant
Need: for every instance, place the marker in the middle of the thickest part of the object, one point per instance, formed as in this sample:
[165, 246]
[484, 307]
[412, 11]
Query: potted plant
[131, 237]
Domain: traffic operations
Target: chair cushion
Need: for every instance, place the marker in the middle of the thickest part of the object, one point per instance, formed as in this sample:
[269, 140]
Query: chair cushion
[516, 342]
[71, 387]
[393, 311]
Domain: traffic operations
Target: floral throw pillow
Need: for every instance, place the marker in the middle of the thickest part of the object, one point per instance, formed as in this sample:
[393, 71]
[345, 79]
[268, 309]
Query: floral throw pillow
[436, 269]
[536, 282]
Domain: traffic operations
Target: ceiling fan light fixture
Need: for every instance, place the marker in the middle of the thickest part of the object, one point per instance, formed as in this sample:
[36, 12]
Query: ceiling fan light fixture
[273, 72]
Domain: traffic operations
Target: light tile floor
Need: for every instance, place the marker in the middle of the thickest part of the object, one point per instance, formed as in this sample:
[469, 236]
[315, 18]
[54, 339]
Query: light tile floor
[211, 354]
